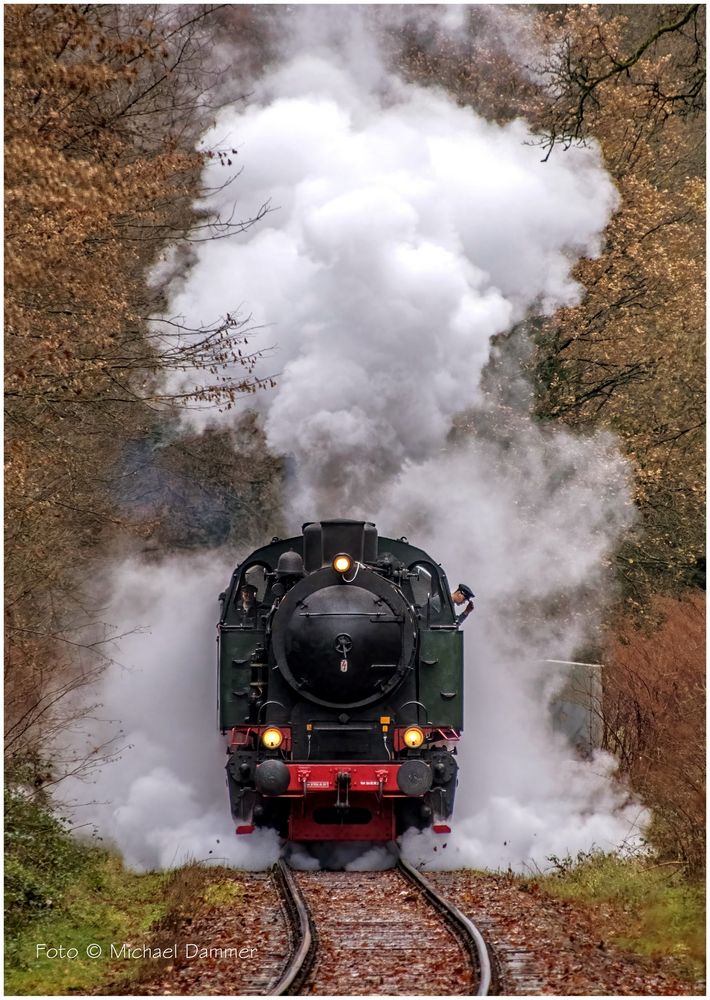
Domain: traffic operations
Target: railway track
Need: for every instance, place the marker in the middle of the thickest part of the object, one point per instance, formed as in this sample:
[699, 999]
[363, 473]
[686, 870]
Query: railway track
[302, 931]
[388, 932]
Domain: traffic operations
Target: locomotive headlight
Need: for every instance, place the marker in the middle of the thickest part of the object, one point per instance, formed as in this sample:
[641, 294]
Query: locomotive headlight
[342, 563]
[413, 737]
[272, 738]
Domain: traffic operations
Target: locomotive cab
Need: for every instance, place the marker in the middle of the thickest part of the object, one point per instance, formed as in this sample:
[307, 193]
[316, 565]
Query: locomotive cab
[342, 698]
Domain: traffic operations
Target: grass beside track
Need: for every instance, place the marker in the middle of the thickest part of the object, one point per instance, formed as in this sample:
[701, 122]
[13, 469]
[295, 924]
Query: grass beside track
[61, 892]
[104, 904]
[107, 904]
[644, 906]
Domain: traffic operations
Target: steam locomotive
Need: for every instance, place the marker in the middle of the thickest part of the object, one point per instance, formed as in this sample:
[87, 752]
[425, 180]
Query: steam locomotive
[340, 686]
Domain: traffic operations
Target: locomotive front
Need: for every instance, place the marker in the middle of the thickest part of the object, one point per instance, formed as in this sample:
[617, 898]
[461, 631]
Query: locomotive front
[340, 686]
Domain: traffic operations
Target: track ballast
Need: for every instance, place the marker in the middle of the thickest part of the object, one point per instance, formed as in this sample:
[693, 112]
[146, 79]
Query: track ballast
[388, 932]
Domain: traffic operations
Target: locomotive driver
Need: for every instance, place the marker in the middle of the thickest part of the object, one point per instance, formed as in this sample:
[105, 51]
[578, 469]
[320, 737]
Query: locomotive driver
[246, 605]
[463, 595]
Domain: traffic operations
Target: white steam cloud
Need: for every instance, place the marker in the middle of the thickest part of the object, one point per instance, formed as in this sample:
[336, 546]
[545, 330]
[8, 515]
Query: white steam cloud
[530, 528]
[406, 234]
[163, 801]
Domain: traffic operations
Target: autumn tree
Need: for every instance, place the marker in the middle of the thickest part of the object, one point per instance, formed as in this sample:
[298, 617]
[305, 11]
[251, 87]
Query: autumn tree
[631, 356]
[654, 719]
[102, 107]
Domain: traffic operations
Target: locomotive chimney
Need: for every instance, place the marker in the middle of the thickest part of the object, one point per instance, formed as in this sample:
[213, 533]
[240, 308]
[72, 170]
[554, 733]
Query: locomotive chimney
[323, 540]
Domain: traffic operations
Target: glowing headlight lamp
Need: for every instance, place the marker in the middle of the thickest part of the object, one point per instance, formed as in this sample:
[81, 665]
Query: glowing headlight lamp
[342, 563]
[413, 737]
[272, 738]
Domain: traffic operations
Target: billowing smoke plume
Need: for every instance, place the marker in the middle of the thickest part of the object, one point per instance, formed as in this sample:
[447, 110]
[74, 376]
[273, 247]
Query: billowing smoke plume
[407, 233]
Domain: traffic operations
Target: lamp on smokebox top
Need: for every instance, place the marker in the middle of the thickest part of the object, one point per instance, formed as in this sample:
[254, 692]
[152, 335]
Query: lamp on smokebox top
[342, 563]
[272, 738]
[413, 737]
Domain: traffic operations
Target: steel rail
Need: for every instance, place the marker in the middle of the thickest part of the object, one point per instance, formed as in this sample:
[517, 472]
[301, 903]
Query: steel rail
[465, 929]
[303, 931]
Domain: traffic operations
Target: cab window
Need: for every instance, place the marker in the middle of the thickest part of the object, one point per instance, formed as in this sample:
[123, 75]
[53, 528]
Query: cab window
[425, 588]
[255, 576]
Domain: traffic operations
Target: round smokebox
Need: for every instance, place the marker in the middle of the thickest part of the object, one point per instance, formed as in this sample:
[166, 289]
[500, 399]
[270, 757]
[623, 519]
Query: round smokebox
[344, 645]
[272, 777]
[414, 777]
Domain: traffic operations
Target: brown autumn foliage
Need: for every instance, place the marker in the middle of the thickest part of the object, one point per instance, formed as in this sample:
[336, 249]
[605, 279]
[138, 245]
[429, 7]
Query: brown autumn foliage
[631, 356]
[654, 720]
[102, 104]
